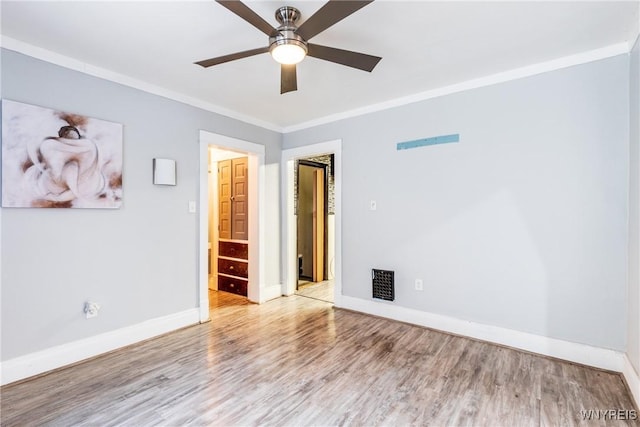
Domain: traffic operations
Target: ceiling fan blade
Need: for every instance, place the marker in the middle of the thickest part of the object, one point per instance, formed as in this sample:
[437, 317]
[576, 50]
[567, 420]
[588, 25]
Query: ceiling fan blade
[349, 58]
[226, 58]
[288, 79]
[248, 15]
[332, 12]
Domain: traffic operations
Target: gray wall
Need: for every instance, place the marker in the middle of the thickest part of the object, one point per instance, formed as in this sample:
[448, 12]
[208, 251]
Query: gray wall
[522, 224]
[633, 332]
[138, 262]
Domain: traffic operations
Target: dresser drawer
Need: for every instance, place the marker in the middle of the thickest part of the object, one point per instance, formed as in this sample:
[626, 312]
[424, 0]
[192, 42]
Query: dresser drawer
[233, 268]
[234, 250]
[233, 285]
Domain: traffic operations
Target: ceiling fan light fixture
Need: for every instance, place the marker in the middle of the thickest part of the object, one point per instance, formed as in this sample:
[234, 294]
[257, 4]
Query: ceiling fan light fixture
[285, 46]
[288, 43]
[288, 53]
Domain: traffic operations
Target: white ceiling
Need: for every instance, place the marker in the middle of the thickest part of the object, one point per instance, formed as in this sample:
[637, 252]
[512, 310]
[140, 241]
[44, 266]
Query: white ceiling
[425, 45]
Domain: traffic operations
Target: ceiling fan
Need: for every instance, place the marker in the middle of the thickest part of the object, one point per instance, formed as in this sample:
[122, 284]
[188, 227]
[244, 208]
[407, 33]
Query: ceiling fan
[288, 44]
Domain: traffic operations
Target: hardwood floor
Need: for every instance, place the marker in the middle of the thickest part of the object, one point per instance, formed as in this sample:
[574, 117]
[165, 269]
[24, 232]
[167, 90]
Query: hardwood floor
[297, 361]
[318, 290]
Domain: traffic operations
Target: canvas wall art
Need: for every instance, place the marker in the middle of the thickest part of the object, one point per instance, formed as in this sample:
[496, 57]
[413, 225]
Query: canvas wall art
[54, 159]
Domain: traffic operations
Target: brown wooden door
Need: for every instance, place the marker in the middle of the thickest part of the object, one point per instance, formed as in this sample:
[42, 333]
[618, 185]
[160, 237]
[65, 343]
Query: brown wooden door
[311, 213]
[304, 216]
[239, 204]
[224, 199]
[318, 225]
[233, 200]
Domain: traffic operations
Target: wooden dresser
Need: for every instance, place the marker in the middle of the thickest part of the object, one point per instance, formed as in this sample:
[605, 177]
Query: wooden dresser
[233, 266]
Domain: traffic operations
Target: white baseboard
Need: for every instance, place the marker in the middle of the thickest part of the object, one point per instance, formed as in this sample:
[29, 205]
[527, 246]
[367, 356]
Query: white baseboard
[56, 357]
[632, 377]
[580, 353]
[270, 292]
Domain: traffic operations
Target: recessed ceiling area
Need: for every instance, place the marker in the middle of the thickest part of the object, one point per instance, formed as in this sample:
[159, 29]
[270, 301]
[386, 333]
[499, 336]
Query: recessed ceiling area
[424, 46]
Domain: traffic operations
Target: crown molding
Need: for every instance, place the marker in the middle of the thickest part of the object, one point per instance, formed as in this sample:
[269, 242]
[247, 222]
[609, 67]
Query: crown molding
[103, 73]
[514, 74]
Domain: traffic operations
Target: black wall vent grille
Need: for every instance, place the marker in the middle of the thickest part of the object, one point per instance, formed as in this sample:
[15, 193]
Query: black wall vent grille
[383, 284]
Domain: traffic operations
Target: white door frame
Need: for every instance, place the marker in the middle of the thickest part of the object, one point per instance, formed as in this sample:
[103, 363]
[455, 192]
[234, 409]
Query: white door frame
[290, 257]
[256, 172]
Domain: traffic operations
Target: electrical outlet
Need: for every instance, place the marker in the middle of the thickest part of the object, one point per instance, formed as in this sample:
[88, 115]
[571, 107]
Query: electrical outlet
[91, 309]
[418, 285]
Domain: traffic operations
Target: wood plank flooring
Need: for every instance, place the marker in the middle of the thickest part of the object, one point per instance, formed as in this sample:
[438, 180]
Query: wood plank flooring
[297, 361]
[318, 290]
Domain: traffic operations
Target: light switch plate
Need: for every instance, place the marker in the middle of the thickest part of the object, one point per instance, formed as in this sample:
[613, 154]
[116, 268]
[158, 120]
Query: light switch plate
[192, 207]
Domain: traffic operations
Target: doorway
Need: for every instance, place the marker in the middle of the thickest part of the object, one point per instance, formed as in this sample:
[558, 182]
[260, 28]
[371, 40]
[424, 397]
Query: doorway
[314, 197]
[311, 214]
[256, 214]
[299, 277]
[228, 221]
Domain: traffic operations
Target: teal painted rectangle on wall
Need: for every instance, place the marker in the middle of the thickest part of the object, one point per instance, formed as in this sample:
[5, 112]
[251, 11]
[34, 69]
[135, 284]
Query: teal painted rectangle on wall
[444, 139]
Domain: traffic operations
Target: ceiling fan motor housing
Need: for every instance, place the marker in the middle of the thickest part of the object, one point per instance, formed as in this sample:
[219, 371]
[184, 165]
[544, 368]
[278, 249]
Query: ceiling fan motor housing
[287, 16]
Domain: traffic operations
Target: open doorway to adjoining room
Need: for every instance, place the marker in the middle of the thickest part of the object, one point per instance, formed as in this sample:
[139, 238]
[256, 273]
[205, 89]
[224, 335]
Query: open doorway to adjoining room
[315, 226]
[312, 260]
[248, 159]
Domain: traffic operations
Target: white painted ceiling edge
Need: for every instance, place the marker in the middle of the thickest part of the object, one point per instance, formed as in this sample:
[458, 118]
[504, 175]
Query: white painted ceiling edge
[505, 76]
[74, 64]
[514, 74]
